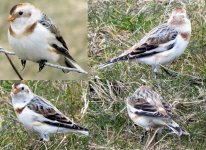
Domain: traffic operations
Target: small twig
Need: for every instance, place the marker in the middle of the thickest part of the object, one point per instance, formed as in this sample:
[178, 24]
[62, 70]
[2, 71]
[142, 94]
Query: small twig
[2, 50]
[11, 53]
[18, 74]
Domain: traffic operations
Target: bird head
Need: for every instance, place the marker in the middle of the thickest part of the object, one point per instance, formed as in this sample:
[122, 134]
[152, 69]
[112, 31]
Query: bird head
[178, 17]
[19, 89]
[23, 12]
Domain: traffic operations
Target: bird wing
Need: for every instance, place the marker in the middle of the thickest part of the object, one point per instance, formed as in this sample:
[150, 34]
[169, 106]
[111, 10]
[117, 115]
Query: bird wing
[52, 116]
[160, 39]
[62, 49]
[143, 108]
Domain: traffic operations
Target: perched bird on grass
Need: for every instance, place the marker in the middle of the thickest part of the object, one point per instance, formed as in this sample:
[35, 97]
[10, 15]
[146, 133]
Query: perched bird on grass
[33, 36]
[39, 115]
[162, 44]
[147, 109]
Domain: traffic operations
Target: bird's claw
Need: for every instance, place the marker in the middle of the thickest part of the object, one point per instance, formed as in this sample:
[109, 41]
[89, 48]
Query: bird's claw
[42, 64]
[142, 136]
[23, 63]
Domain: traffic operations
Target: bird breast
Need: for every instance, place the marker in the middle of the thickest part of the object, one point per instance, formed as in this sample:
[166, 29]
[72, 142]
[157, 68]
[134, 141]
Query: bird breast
[34, 46]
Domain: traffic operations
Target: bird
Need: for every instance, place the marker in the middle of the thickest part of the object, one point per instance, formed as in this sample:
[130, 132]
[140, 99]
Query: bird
[161, 45]
[147, 109]
[40, 115]
[33, 36]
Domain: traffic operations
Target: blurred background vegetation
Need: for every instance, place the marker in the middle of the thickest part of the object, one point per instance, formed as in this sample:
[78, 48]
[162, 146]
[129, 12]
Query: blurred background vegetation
[71, 18]
[114, 26]
[70, 97]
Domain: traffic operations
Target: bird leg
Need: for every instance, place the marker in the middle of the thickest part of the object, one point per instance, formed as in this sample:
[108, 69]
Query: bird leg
[150, 139]
[44, 137]
[153, 138]
[23, 63]
[41, 64]
[142, 136]
[155, 70]
[149, 136]
[169, 72]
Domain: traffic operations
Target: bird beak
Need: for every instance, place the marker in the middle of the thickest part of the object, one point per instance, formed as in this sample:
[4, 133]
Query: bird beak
[11, 17]
[15, 90]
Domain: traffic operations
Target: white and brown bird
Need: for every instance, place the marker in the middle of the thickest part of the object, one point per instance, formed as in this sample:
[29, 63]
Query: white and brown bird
[147, 109]
[39, 115]
[162, 44]
[33, 36]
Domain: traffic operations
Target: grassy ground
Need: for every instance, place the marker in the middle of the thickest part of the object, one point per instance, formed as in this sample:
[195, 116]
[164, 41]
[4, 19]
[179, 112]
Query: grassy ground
[70, 16]
[115, 26]
[68, 96]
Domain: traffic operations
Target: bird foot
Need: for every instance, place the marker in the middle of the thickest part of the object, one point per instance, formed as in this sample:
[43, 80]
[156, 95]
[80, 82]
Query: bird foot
[23, 63]
[41, 64]
[142, 136]
[169, 72]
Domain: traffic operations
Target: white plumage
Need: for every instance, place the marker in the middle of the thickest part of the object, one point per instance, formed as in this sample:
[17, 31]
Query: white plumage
[33, 36]
[39, 115]
[162, 44]
[147, 109]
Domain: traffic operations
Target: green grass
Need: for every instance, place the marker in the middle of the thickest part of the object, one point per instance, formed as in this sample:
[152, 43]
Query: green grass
[67, 96]
[114, 26]
[108, 107]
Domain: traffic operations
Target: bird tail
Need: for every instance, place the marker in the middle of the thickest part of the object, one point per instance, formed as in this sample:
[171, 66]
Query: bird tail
[83, 132]
[77, 129]
[114, 60]
[176, 128]
[72, 64]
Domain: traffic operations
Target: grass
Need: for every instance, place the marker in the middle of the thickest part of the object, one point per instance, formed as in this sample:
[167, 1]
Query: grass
[71, 18]
[105, 117]
[68, 96]
[114, 26]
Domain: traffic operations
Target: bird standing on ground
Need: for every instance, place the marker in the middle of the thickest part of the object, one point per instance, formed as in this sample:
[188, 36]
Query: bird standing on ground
[162, 44]
[147, 109]
[38, 114]
[33, 36]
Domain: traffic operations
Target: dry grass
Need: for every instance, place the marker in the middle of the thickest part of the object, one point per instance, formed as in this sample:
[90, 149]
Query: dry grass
[70, 16]
[115, 26]
[107, 102]
[69, 97]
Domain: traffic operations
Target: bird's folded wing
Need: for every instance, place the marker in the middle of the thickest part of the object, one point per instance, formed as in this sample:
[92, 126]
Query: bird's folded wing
[168, 108]
[143, 108]
[160, 39]
[51, 115]
[63, 49]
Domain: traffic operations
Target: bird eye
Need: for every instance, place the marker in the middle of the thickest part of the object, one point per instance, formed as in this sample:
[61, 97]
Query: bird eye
[22, 88]
[20, 13]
